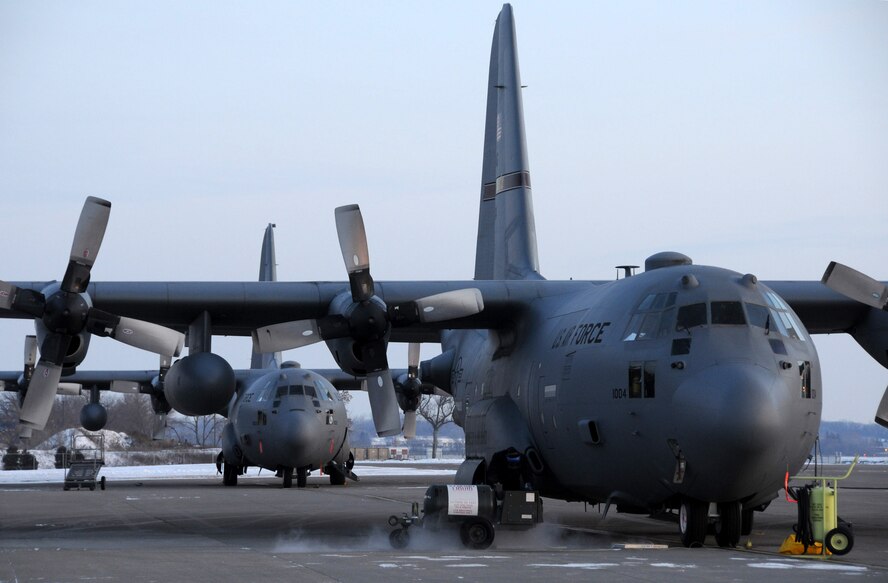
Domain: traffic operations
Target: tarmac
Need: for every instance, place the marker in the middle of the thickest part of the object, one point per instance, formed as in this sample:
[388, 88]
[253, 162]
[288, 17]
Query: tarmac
[198, 530]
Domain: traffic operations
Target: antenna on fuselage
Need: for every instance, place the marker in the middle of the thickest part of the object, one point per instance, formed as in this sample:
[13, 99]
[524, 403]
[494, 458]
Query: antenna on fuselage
[628, 270]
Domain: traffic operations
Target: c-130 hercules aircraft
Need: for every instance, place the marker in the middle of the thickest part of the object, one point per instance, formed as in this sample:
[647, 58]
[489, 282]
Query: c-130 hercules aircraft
[676, 389]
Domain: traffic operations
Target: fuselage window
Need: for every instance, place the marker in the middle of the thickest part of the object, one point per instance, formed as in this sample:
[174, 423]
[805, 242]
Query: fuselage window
[642, 379]
[728, 313]
[690, 316]
[805, 379]
[297, 390]
[310, 392]
[266, 391]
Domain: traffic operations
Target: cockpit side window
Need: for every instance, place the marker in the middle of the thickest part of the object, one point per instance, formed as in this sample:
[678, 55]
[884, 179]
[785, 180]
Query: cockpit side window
[653, 318]
[783, 317]
[690, 316]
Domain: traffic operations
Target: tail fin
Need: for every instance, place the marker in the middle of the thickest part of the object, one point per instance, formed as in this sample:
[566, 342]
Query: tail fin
[506, 247]
[267, 272]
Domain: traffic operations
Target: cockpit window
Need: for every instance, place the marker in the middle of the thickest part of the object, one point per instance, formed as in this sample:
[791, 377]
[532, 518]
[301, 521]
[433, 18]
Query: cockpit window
[758, 315]
[782, 317]
[653, 318]
[728, 313]
[690, 316]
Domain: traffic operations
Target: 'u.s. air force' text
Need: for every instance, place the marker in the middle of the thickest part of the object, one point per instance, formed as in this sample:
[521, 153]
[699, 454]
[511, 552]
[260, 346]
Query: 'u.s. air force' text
[580, 334]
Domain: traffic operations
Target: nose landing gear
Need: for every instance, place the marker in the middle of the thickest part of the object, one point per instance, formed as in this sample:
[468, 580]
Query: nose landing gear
[694, 523]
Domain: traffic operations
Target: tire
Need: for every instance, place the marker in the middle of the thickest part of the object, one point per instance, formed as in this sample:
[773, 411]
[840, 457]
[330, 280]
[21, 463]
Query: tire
[477, 533]
[229, 474]
[693, 516]
[728, 525]
[288, 477]
[337, 478]
[102, 483]
[399, 538]
[301, 477]
[839, 541]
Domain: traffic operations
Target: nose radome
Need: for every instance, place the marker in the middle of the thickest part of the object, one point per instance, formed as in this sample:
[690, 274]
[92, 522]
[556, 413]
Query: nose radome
[733, 410]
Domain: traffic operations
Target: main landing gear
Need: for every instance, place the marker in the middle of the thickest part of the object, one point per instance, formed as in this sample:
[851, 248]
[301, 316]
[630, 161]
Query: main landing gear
[694, 523]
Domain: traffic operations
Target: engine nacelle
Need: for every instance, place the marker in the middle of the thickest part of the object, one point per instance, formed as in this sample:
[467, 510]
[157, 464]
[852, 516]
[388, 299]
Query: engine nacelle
[199, 384]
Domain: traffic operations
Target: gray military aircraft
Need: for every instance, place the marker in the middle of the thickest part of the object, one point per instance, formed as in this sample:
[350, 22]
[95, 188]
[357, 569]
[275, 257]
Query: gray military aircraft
[683, 389]
[282, 417]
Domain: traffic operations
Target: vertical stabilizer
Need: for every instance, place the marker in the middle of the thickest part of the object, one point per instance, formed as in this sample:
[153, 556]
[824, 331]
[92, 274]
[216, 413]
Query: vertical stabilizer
[267, 272]
[506, 247]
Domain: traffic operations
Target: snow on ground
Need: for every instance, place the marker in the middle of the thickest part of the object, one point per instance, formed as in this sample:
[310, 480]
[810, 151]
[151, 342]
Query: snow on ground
[193, 471]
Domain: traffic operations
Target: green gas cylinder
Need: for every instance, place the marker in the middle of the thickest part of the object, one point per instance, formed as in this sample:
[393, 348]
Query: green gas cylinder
[823, 511]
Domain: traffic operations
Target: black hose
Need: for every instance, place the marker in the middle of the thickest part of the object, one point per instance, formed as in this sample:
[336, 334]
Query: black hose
[804, 527]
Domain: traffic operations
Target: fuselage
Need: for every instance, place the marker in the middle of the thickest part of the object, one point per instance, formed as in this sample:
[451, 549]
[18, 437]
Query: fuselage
[681, 381]
[287, 418]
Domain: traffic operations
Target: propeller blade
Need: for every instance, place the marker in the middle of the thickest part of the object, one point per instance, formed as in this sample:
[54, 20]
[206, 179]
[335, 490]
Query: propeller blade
[355, 254]
[383, 403]
[70, 389]
[373, 355]
[125, 387]
[450, 305]
[30, 350]
[882, 411]
[413, 359]
[352, 238]
[7, 294]
[409, 424]
[158, 429]
[87, 241]
[41, 394]
[25, 432]
[149, 336]
[441, 392]
[90, 230]
[285, 336]
[855, 285]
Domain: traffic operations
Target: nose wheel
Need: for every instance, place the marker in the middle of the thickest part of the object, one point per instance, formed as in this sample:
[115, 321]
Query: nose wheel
[693, 516]
[728, 525]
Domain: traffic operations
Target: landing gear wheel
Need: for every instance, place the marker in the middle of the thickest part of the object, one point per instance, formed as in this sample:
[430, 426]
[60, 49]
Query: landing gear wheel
[288, 477]
[728, 525]
[102, 483]
[692, 518]
[399, 538]
[229, 474]
[747, 519]
[839, 541]
[301, 477]
[337, 478]
[476, 534]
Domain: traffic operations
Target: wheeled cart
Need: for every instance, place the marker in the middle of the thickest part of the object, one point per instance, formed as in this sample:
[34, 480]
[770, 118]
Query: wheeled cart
[87, 462]
[819, 525]
[475, 511]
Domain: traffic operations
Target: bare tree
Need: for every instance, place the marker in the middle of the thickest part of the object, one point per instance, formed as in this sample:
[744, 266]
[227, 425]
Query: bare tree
[201, 430]
[132, 414]
[438, 411]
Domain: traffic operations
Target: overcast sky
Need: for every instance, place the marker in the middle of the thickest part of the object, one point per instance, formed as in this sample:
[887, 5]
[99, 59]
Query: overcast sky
[748, 135]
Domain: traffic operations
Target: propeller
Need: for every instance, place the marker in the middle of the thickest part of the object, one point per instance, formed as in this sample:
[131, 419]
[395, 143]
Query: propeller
[856, 285]
[65, 311]
[862, 288]
[367, 320]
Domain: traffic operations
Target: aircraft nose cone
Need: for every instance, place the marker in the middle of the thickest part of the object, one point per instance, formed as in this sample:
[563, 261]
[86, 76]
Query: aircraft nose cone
[731, 410]
[733, 425]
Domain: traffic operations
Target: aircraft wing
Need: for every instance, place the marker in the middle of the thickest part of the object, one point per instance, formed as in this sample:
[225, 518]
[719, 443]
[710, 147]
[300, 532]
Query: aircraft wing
[239, 308]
